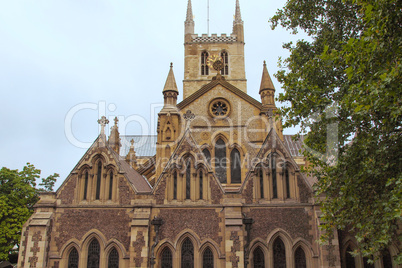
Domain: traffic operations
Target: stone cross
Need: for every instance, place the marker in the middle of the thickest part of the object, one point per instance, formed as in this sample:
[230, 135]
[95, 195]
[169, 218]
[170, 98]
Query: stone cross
[103, 122]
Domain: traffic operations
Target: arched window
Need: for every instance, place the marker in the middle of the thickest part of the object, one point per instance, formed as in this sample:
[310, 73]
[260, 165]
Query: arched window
[204, 66]
[279, 254]
[86, 185]
[235, 166]
[260, 176]
[93, 254]
[274, 182]
[166, 261]
[113, 261]
[111, 186]
[188, 179]
[208, 259]
[225, 59]
[258, 258]
[386, 259]
[300, 258]
[220, 160]
[73, 258]
[350, 260]
[207, 155]
[286, 174]
[201, 178]
[175, 185]
[98, 181]
[187, 254]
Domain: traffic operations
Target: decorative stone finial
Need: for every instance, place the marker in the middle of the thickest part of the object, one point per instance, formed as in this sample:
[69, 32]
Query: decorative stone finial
[116, 120]
[103, 121]
[132, 143]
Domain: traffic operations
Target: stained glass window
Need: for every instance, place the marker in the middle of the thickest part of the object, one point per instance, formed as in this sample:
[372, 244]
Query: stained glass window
[258, 258]
[208, 259]
[274, 185]
[93, 254]
[300, 258]
[98, 181]
[111, 186]
[225, 61]
[386, 259]
[167, 261]
[220, 163]
[204, 66]
[188, 179]
[73, 258]
[86, 186]
[175, 185]
[350, 260]
[235, 166]
[187, 254]
[201, 177]
[279, 254]
[113, 261]
[207, 155]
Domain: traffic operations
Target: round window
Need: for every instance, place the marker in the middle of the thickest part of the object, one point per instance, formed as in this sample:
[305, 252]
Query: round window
[219, 108]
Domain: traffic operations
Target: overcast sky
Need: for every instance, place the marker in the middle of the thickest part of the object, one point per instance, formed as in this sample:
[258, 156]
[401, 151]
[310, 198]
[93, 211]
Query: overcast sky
[65, 63]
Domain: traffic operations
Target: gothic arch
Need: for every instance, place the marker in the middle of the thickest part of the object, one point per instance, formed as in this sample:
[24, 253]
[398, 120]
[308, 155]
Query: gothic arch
[308, 251]
[213, 246]
[258, 245]
[187, 233]
[119, 247]
[161, 249]
[101, 156]
[287, 241]
[67, 247]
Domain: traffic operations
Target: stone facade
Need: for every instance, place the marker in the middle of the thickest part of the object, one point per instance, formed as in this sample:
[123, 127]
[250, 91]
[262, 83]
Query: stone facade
[223, 189]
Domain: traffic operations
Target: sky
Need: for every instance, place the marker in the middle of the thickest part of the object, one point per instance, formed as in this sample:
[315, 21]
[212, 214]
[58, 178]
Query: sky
[65, 63]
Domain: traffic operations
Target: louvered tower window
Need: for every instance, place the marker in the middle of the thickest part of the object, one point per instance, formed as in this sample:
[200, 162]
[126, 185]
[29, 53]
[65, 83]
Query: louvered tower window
[235, 166]
[86, 185]
[300, 258]
[220, 163]
[279, 254]
[167, 261]
[111, 186]
[113, 261]
[258, 258]
[98, 181]
[204, 66]
[187, 254]
[93, 254]
[208, 259]
[274, 182]
[73, 258]
[225, 59]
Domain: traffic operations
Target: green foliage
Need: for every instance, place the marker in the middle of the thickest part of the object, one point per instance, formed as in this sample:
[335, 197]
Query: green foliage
[18, 195]
[352, 63]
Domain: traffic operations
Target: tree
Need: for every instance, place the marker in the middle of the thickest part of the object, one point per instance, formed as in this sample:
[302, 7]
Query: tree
[349, 76]
[18, 195]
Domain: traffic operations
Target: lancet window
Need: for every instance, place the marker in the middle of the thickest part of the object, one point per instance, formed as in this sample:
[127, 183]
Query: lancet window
[73, 259]
[111, 185]
[300, 258]
[187, 254]
[98, 181]
[86, 185]
[201, 178]
[279, 254]
[258, 258]
[175, 185]
[225, 59]
[204, 66]
[235, 166]
[208, 259]
[188, 179]
[274, 181]
[113, 260]
[167, 260]
[350, 260]
[220, 160]
[93, 254]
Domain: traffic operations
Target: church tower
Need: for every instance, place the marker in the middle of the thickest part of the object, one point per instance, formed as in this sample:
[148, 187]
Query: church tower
[197, 49]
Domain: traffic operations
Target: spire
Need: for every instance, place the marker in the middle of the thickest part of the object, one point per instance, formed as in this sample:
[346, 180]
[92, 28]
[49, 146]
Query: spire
[189, 23]
[266, 82]
[189, 16]
[238, 19]
[170, 84]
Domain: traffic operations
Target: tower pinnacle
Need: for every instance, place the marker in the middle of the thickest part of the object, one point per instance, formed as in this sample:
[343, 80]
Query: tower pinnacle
[238, 29]
[238, 14]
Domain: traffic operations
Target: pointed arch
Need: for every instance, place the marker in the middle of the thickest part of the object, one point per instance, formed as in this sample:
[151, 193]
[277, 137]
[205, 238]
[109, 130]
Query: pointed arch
[113, 258]
[225, 61]
[258, 258]
[98, 179]
[207, 155]
[93, 258]
[207, 258]
[187, 253]
[279, 253]
[166, 258]
[300, 258]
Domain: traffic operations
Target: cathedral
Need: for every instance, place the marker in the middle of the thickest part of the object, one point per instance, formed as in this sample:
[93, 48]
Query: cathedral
[219, 185]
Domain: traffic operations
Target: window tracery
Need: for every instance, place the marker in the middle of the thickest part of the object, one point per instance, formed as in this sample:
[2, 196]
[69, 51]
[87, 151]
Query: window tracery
[93, 254]
[208, 259]
[187, 254]
[113, 261]
[225, 61]
[167, 260]
[73, 259]
[258, 258]
[300, 258]
[279, 254]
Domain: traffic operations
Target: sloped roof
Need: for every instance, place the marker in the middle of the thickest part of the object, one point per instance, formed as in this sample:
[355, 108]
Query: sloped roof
[146, 145]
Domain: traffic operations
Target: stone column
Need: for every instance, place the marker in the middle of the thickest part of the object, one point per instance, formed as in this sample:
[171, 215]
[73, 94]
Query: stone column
[139, 244]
